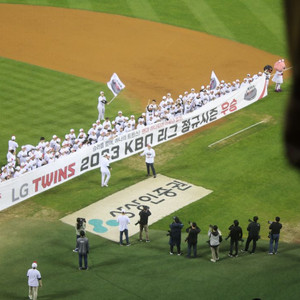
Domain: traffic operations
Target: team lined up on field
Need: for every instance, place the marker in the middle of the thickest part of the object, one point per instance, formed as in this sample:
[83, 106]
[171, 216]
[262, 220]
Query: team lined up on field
[31, 157]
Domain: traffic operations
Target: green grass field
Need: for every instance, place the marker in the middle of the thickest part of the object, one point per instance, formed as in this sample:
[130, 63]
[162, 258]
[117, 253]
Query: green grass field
[248, 174]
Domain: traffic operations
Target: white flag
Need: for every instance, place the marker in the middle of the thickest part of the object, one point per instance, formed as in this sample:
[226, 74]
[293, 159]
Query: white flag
[214, 81]
[115, 84]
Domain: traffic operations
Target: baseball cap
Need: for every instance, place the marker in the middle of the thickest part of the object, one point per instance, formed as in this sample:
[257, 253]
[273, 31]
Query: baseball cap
[34, 264]
[54, 136]
[13, 137]
[119, 112]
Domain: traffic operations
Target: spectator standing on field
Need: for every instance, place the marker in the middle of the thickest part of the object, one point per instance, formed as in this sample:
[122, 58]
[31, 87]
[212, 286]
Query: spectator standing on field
[192, 239]
[274, 235]
[34, 281]
[83, 250]
[253, 234]
[144, 214]
[235, 234]
[175, 235]
[149, 153]
[215, 237]
[123, 221]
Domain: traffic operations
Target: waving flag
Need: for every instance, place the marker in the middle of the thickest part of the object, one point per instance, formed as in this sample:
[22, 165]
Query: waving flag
[214, 81]
[115, 84]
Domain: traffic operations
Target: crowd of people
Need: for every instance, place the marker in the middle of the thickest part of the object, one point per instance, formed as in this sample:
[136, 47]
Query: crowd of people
[215, 237]
[29, 157]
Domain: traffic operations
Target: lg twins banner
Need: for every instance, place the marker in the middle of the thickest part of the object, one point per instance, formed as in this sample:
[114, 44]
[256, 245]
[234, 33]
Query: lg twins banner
[39, 180]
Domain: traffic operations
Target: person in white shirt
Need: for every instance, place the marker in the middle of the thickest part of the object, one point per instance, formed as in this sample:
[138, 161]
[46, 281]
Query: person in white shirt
[12, 144]
[72, 136]
[53, 141]
[22, 155]
[123, 221]
[149, 154]
[120, 118]
[105, 170]
[34, 281]
[101, 106]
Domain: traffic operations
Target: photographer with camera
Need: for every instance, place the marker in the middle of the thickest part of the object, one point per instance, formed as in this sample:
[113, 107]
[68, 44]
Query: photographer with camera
[192, 238]
[235, 235]
[79, 226]
[253, 234]
[274, 234]
[175, 235]
[215, 238]
[144, 214]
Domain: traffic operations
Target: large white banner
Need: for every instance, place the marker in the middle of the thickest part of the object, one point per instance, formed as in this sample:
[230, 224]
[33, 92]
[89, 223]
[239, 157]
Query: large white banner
[39, 180]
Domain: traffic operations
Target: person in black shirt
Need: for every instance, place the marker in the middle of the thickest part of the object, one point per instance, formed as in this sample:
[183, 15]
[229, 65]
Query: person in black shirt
[192, 239]
[175, 235]
[236, 234]
[274, 235]
[253, 234]
[144, 214]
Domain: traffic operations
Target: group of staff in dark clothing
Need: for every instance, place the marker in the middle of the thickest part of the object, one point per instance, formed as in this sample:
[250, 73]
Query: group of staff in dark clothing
[215, 237]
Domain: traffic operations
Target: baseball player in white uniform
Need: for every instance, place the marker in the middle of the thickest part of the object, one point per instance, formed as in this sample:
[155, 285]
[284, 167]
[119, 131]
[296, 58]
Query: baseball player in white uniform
[12, 144]
[105, 170]
[101, 105]
[149, 153]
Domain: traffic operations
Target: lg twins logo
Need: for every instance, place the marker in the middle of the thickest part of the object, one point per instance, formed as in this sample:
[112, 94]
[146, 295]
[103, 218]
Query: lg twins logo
[250, 93]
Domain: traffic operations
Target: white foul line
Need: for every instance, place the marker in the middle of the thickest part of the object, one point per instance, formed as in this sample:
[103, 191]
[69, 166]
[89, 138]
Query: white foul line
[229, 136]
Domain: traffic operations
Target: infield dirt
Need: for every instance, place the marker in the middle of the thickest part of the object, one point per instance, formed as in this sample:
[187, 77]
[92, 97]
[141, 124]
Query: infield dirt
[150, 58]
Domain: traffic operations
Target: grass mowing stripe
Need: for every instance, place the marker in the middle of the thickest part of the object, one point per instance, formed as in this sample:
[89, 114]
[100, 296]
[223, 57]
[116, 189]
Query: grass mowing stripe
[143, 9]
[270, 20]
[203, 12]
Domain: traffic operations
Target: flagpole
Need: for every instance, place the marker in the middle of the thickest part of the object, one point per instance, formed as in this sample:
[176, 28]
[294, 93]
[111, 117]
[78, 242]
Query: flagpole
[112, 100]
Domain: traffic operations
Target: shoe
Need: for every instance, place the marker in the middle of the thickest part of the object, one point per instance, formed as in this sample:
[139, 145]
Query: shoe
[230, 255]
[154, 176]
[80, 268]
[188, 256]
[171, 253]
[121, 244]
[105, 185]
[212, 260]
[140, 240]
[147, 241]
[235, 255]
[243, 250]
[252, 252]
[218, 258]
[179, 253]
[280, 90]
[270, 253]
[30, 297]
[276, 253]
[128, 244]
[147, 175]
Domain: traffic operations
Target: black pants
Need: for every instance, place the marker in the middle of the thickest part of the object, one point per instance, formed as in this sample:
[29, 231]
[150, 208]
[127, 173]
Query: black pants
[235, 243]
[152, 168]
[249, 239]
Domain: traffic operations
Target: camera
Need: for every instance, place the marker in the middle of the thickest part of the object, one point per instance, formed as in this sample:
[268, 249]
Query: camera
[80, 221]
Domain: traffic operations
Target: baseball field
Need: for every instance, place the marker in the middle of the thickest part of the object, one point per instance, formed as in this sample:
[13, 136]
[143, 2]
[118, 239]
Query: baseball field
[56, 56]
